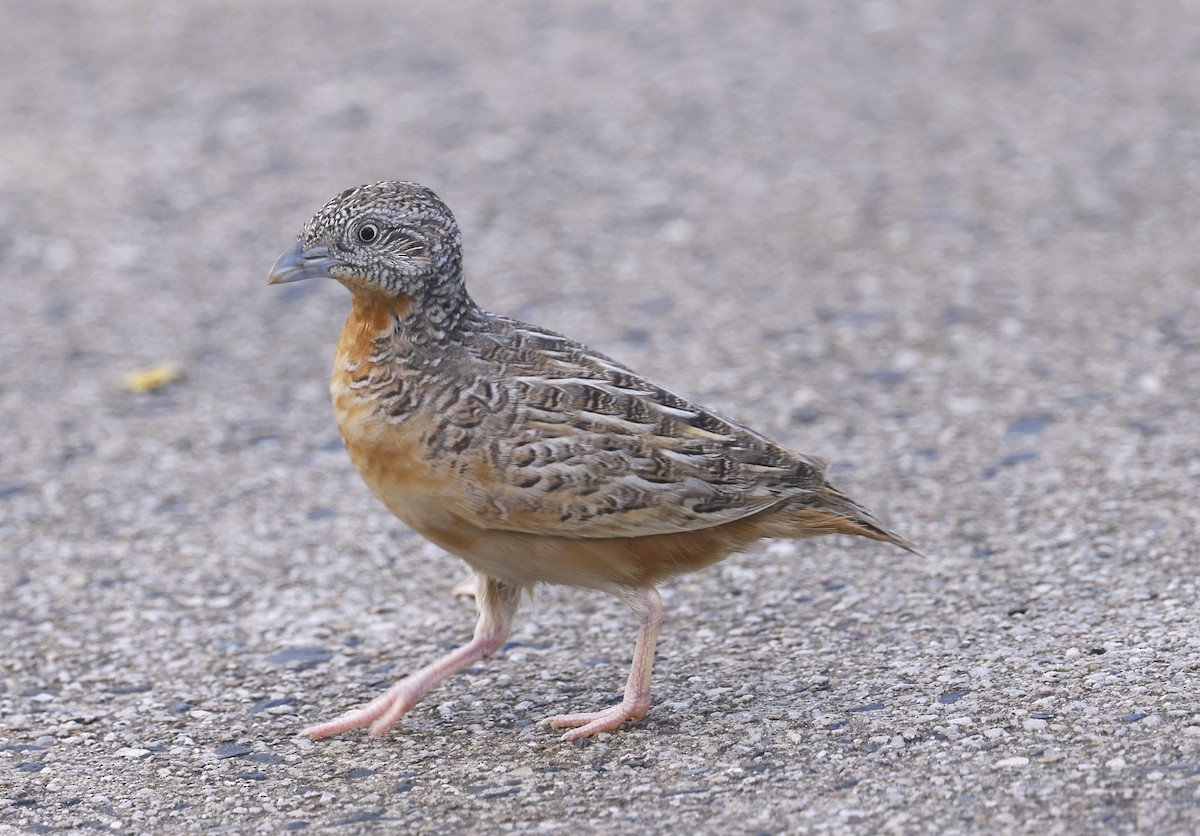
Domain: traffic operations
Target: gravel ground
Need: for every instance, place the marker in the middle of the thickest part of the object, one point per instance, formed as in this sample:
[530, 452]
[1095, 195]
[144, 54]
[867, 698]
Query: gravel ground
[949, 246]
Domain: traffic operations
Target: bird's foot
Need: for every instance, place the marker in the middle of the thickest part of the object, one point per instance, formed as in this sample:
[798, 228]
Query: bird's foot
[585, 725]
[380, 714]
[497, 603]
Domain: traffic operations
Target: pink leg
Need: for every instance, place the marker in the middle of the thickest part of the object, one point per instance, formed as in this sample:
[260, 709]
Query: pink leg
[497, 603]
[637, 692]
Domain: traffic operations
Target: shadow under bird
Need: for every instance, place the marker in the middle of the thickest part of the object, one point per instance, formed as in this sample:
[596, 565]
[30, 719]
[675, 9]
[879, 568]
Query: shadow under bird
[528, 455]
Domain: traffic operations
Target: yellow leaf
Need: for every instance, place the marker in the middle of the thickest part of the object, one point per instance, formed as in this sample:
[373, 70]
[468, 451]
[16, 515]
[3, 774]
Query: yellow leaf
[151, 378]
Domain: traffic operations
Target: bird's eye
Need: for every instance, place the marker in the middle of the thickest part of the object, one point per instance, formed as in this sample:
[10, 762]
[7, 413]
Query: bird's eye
[368, 233]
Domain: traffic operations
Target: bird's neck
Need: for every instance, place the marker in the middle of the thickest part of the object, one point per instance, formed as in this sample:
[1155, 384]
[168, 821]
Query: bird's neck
[410, 325]
[439, 313]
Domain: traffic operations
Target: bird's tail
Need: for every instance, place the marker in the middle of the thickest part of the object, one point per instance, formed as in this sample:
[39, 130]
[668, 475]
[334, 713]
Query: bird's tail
[829, 511]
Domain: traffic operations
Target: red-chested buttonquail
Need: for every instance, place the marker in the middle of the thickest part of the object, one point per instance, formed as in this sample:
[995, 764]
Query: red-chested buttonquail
[528, 455]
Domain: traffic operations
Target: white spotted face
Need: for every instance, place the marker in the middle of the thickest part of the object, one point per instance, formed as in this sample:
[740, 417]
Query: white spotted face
[393, 236]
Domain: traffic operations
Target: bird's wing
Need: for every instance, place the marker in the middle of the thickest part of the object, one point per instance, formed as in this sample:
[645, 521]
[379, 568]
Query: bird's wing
[587, 448]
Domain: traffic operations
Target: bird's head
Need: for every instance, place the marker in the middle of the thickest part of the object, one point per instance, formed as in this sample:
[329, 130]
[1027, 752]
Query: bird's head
[394, 238]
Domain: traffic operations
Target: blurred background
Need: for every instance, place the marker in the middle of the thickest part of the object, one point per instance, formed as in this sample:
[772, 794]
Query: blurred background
[948, 246]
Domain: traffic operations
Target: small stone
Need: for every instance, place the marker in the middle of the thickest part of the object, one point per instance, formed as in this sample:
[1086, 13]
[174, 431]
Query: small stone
[1150, 384]
[1009, 763]
[302, 657]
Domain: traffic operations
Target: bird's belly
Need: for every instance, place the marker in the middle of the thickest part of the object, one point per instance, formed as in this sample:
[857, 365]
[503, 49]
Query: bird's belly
[395, 464]
[424, 493]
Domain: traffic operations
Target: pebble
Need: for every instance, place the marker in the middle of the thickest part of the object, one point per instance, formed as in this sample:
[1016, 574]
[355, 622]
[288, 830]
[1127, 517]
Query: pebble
[1016, 761]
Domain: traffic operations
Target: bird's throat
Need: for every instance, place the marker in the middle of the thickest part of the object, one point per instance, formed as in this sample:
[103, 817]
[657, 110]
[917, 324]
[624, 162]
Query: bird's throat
[372, 315]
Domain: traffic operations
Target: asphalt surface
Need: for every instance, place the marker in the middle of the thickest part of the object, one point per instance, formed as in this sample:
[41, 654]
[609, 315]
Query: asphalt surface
[950, 247]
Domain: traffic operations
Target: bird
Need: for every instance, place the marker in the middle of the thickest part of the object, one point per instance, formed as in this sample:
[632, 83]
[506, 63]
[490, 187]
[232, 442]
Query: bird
[530, 456]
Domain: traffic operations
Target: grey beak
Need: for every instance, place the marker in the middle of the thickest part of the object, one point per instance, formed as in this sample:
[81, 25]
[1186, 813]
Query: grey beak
[299, 263]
